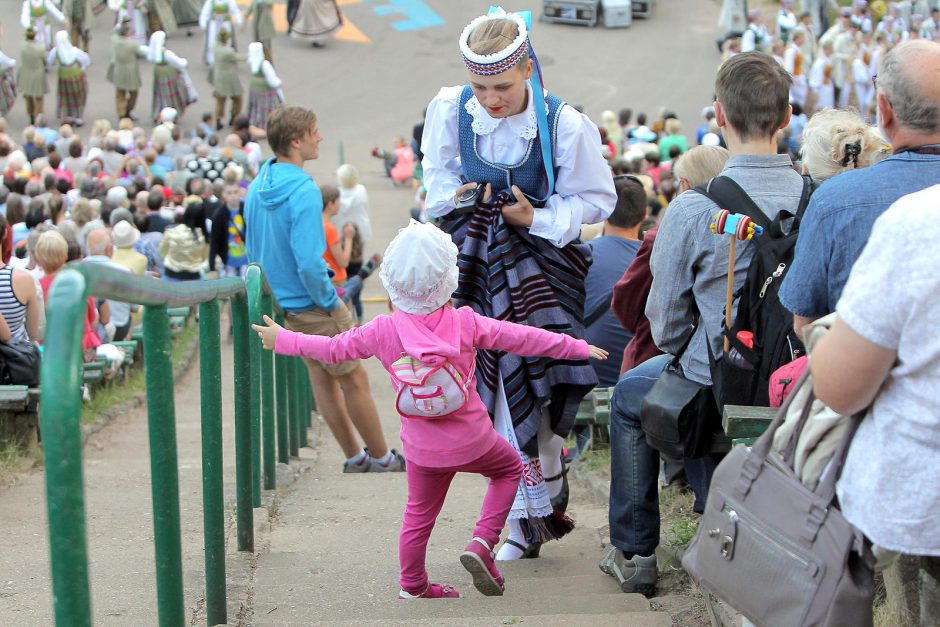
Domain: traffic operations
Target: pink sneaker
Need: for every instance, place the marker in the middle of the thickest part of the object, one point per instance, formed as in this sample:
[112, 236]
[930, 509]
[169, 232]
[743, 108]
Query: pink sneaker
[433, 591]
[479, 561]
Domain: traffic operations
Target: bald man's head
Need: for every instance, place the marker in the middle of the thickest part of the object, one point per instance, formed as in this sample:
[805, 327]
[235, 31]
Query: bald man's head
[99, 242]
[909, 77]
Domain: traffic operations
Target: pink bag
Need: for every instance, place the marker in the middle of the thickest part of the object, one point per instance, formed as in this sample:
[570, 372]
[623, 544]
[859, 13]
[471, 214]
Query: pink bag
[426, 391]
[783, 379]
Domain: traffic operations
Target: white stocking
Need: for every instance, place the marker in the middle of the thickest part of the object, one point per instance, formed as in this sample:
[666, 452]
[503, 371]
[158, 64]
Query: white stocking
[509, 552]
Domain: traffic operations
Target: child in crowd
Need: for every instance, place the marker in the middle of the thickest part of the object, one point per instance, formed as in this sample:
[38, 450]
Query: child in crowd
[425, 337]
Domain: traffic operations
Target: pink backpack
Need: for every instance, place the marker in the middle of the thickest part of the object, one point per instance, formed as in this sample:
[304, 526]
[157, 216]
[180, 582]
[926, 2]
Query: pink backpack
[426, 391]
[784, 378]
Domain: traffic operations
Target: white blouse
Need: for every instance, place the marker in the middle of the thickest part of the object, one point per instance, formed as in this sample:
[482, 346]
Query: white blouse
[584, 187]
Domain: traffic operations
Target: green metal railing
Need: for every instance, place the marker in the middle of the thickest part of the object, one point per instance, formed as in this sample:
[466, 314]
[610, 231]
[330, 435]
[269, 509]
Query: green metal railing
[273, 401]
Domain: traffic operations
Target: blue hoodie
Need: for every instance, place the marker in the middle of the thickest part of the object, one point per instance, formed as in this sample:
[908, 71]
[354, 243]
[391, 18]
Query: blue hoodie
[284, 224]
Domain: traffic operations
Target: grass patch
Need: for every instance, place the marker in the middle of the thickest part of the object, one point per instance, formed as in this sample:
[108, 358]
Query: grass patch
[13, 454]
[117, 392]
[597, 460]
[679, 522]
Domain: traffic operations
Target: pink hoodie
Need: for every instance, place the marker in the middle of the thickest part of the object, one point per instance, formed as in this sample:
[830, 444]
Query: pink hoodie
[446, 334]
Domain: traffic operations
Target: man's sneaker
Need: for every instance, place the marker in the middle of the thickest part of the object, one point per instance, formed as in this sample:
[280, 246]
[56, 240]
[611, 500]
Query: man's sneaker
[433, 591]
[479, 561]
[397, 464]
[364, 465]
[369, 266]
[637, 574]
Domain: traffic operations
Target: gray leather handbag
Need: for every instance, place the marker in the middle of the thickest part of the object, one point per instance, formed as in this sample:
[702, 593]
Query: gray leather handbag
[775, 550]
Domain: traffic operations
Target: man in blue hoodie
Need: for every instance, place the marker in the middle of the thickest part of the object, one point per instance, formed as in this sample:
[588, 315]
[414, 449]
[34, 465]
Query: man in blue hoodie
[284, 233]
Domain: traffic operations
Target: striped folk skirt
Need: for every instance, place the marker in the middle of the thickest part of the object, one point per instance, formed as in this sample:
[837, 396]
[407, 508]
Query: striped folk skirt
[7, 91]
[262, 100]
[169, 90]
[73, 92]
[508, 274]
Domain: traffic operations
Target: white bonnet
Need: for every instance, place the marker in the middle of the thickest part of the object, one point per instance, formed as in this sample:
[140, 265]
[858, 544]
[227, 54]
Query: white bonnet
[419, 269]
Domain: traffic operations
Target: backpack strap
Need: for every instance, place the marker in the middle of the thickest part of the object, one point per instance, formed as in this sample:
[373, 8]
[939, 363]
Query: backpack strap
[804, 196]
[727, 194]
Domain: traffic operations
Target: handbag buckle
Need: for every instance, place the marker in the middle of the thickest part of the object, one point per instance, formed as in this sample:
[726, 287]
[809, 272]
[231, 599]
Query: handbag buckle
[727, 547]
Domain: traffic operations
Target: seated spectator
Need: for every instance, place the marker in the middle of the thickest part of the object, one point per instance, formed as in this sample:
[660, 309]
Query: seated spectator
[124, 236]
[51, 255]
[881, 357]
[100, 249]
[184, 247]
[698, 166]
[20, 304]
[673, 137]
[354, 209]
[838, 140]
[840, 215]
[143, 245]
[690, 275]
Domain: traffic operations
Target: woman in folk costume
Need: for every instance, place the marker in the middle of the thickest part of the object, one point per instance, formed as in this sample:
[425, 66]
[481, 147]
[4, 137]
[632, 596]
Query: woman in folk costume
[134, 12]
[820, 78]
[73, 82]
[265, 93]
[7, 82]
[36, 14]
[263, 25]
[733, 16]
[171, 85]
[216, 15]
[520, 259]
[314, 20]
[794, 62]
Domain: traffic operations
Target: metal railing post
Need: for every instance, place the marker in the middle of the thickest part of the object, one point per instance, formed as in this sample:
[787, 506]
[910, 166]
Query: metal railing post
[243, 458]
[267, 407]
[161, 419]
[295, 402]
[213, 502]
[304, 389]
[62, 452]
[281, 369]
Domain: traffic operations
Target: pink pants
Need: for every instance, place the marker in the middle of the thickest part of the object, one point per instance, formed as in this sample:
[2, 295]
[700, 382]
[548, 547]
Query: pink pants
[427, 488]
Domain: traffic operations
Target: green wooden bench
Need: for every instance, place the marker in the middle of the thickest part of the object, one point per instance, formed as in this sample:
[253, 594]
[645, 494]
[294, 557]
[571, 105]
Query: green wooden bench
[130, 350]
[595, 408]
[93, 372]
[19, 414]
[743, 425]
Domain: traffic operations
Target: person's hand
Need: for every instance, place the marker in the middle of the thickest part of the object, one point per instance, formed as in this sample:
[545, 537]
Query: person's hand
[462, 189]
[267, 332]
[519, 213]
[596, 352]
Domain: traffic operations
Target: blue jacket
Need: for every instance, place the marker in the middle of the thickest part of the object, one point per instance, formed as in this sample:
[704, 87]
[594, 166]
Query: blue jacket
[284, 233]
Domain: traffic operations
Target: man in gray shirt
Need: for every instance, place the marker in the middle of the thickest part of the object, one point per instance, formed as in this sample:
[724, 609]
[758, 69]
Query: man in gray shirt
[690, 273]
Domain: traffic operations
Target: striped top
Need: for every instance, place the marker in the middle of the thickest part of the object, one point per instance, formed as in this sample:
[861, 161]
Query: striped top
[14, 311]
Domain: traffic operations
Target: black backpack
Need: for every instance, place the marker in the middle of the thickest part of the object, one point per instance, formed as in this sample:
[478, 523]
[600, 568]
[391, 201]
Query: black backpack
[742, 376]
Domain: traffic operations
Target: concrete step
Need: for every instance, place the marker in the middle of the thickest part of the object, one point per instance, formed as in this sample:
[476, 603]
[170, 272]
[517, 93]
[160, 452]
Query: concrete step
[629, 619]
[310, 609]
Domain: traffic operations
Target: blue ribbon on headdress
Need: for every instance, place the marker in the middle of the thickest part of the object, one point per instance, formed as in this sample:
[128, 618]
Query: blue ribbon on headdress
[538, 96]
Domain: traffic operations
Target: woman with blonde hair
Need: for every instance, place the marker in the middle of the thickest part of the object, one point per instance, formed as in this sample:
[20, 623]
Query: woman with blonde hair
[611, 124]
[699, 165]
[836, 140]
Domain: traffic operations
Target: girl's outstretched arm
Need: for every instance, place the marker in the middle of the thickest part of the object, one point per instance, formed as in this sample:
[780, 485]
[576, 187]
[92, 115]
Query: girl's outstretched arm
[356, 343]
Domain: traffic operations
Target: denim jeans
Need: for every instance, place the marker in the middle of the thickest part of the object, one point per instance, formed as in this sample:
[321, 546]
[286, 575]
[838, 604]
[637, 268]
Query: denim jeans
[634, 465]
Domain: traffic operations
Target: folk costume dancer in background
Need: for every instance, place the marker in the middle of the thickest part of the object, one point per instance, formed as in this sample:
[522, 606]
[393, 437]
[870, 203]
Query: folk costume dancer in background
[124, 71]
[186, 14]
[81, 21]
[215, 16]
[224, 79]
[755, 36]
[820, 79]
[862, 78]
[160, 17]
[794, 62]
[31, 77]
[263, 24]
[315, 19]
[36, 14]
[73, 82]
[7, 82]
[265, 93]
[135, 14]
[171, 85]
[469, 133]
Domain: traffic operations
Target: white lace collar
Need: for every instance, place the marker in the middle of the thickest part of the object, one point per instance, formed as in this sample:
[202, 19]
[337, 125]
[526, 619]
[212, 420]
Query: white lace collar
[522, 124]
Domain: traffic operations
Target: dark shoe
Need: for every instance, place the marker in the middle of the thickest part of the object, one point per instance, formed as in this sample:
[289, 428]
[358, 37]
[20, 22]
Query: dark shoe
[560, 502]
[637, 574]
[528, 552]
[317, 44]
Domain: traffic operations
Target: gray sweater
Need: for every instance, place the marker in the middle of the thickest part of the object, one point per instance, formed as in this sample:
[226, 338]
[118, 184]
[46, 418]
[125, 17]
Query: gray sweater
[690, 264]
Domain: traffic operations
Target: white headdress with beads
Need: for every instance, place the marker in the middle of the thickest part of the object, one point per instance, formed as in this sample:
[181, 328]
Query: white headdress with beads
[498, 62]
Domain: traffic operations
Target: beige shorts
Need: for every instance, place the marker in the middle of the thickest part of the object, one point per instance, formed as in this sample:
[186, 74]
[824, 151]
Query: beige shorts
[317, 321]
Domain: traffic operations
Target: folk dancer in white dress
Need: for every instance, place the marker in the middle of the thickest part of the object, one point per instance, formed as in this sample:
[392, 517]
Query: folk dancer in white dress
[843, 53]
[37, 14]
[820, 78]
[755, 36]
[862, 79]
[134, 12]
[264, 93]
[470, 133]
[786, 21]
[216, 15]
[7, 84]
[795, 62]
[72, 93]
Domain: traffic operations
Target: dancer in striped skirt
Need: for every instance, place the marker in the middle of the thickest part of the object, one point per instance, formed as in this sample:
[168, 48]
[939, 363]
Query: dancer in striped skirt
[265, 93]
[73, 82]
[7, 84]
[520, 259]
[171, 85]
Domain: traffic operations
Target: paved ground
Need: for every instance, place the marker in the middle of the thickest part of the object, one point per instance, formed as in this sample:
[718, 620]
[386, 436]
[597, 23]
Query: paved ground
[332, 541]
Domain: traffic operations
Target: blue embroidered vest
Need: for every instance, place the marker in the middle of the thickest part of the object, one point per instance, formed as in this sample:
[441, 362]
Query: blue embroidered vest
[528, 174]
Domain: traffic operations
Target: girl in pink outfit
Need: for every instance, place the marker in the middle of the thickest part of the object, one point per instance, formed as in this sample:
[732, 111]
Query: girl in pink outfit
[427, 333]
